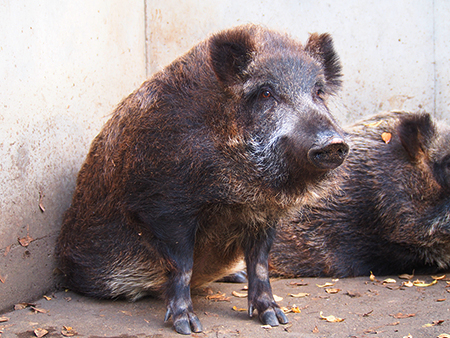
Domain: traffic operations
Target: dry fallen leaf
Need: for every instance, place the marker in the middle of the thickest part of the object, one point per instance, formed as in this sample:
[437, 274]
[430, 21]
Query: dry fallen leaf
[331, 290]
[277, 298]
[68, 331]
[315, 330]
[25, 241]
[239, 294]
[235, 308]
[434, 323]
[438, 277]
[298, 283]
[331, 318]
[299, 295]
[47, 297]
[219, 297]
[422, 284]
[402, 315]
[408, 284]
[3, 319]
[373, 124]
[386, 137]
[372, 277]
[389, 281]
[325, 285]
[21, 306]
[266, 327]
[293, 309]
[406, 276]
[40, 332]
[444, 335]
[37, 310]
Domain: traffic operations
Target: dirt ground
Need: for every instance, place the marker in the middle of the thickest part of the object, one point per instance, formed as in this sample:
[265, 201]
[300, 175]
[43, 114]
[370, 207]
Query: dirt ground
[352, 307]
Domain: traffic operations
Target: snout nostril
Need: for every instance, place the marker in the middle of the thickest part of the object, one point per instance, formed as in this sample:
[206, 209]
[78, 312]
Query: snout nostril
[329, 156]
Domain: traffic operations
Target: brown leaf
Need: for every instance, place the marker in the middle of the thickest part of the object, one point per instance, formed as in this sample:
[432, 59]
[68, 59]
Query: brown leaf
[41, 205]
[47, 297]
[7, 250]
[40, 332]
[219, 297]
[3, 319]
[25, 241]
[402, 315]
[315, 330]
[21, 306]
[37, 310]
[386, 137]
[406, 276]
[353, 294]
[298, 283]
[68, 331]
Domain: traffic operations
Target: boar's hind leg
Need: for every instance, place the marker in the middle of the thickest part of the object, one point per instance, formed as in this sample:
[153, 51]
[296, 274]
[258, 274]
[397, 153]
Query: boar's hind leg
[178, 296]
[259, 290]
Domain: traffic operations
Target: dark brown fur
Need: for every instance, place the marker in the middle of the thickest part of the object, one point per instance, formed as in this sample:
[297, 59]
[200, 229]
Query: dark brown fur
[392, 214]
[194, 169]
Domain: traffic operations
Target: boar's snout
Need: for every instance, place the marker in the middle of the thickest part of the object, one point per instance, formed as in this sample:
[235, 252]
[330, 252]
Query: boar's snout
[328, 154]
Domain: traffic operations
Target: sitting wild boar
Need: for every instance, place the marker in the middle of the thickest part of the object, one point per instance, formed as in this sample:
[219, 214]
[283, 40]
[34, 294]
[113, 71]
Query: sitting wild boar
[391, 214]
[194, 169]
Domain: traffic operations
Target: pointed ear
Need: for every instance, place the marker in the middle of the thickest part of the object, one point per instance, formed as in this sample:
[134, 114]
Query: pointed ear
[416, 132]
[320, 47]
[230, 54]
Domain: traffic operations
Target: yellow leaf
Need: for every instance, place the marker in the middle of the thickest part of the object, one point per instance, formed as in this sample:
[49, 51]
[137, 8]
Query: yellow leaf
[299, 295]
[296, 309]
[438, 277]
[239, 294]
[389, 280]
[373, 124]
[422, 284]
[47, 297]
[332, 290]
[331, 318]
[235, 308]
[325, 285]
[372, 276]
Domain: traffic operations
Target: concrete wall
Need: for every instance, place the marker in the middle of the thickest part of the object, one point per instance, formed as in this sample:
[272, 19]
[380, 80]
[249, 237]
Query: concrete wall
[395, 54]
[65, 64]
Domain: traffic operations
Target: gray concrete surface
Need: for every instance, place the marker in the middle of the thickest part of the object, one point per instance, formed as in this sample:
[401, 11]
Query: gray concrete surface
[369, 309]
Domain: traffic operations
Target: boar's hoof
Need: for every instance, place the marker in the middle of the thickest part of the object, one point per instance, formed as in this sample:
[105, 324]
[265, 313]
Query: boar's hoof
[273, 317]
[330, 155]
[184, 322]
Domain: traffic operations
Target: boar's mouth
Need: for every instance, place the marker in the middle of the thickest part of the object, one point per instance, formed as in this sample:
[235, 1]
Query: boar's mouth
[329, 155]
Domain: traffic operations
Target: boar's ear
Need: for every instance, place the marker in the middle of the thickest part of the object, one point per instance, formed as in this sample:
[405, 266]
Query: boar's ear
[230, 54]
[320, 47]
[416, 132]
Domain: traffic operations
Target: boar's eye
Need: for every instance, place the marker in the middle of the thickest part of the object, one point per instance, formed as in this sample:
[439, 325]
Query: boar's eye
[265, 93]
[319, 91]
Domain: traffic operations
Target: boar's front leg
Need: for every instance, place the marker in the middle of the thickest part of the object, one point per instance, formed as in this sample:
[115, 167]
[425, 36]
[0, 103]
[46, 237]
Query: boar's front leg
[259, 290]
[180, 250]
